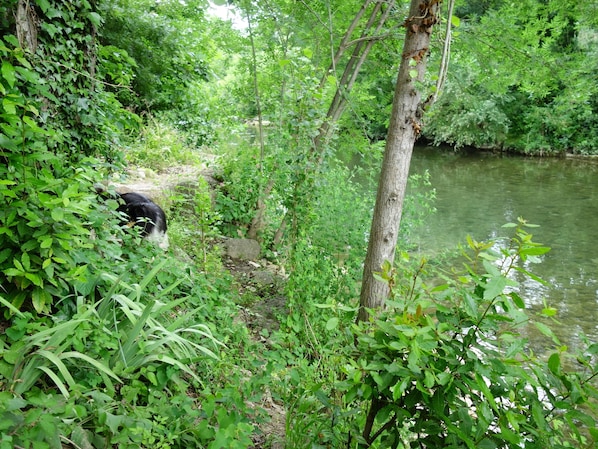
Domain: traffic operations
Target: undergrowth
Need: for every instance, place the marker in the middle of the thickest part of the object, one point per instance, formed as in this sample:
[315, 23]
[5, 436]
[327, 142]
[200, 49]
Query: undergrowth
[160, 146]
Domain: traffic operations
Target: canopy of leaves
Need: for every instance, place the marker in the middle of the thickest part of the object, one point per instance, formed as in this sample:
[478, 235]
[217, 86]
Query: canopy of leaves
[522, 77]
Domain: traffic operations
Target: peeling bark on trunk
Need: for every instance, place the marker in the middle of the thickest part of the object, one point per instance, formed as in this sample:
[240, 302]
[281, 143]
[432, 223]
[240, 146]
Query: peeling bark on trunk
[26, 25]
[403, 130]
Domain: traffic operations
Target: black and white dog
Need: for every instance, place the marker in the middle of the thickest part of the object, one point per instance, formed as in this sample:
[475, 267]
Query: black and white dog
[142, 212]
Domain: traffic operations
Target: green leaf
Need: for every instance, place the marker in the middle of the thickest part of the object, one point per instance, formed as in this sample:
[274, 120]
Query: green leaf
[43, 4]
[546, 331]
[438, 403]
[26, 261]
[80, 438]
[495, 287]
[35, 279]
[12, 309]
[516, 347]
[95, 18]
[466, 423]
[40, 298]
[538, 415]
[96, 364]
[114, 422]
[470, 305]
[471, 242]
[413, 73]
[534, 250]
[332, 323]
[508, 435]
[59, 383]
[7, 182]
[554, 363]
[549, 311]
[8, 73]
[57, 214]
[481, 383]
[455, 21]
[517, 300]
[18, 265]
[429, 379]
[486, 444]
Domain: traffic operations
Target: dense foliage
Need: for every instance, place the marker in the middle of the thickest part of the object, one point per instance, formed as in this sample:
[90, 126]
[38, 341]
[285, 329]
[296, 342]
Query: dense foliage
[102, 346]
[56, 121]
[110, 342]
[447, 366]
[521, 79]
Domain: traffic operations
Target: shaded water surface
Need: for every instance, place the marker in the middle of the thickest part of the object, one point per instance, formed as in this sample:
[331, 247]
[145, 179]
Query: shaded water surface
[477, 194]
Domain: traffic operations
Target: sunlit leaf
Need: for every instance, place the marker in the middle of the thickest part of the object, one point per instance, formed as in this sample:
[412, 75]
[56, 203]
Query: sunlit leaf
[332, 323]
[8, 73]
[495, 287]
[546, 331]
[549, 311]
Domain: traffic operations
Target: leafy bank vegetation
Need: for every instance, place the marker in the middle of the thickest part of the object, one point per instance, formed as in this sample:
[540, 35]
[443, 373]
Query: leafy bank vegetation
[110, 342]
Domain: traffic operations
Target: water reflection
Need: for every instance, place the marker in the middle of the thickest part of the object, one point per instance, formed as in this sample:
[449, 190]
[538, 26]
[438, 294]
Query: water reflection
[477, 194]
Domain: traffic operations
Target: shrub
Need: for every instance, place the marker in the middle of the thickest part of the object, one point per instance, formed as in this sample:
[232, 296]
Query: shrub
[448, 366]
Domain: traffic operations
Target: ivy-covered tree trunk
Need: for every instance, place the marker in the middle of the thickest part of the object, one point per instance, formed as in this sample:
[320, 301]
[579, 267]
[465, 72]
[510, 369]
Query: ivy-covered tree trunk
[403, 130]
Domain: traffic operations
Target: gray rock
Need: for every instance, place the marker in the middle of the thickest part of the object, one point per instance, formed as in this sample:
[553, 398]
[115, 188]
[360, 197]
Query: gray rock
[244, 249]
[263, 278]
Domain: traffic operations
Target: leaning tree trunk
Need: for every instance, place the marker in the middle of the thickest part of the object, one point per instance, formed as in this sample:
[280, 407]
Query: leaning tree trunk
[362, 46]
[403, 130]
[361, 50]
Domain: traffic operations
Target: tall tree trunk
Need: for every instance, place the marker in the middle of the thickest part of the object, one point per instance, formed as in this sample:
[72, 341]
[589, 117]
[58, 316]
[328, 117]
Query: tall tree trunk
[257, 224]
[403, 130]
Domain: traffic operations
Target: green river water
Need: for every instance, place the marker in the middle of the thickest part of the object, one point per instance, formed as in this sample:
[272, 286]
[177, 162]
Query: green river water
[477, 194]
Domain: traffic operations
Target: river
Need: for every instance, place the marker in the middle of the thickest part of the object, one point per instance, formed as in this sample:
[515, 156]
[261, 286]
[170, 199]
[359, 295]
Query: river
[478, 193]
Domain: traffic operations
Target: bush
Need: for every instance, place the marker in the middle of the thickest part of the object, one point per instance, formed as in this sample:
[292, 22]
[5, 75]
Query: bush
[448, 366]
